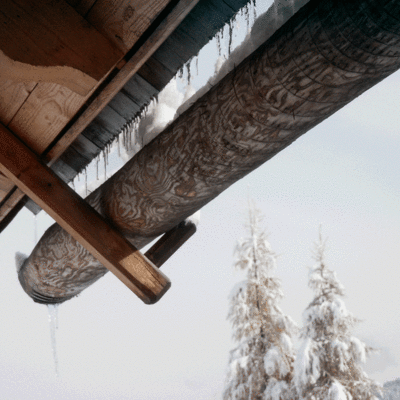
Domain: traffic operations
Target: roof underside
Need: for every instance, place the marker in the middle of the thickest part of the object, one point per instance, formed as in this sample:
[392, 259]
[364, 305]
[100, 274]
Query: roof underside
[193, 32]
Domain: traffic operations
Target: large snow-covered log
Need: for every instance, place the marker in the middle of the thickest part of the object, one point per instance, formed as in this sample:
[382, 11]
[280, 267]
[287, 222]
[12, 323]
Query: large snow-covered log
[329, 53]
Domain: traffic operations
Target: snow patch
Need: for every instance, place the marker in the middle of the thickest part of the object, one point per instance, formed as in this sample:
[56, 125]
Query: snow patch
[194, 218]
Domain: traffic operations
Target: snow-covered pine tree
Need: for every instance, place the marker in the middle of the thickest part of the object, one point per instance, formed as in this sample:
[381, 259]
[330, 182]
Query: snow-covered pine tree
[327, 365]
[261, 365]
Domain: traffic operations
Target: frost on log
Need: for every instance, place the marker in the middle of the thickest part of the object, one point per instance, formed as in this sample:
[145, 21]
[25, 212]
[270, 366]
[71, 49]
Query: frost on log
[326, 55]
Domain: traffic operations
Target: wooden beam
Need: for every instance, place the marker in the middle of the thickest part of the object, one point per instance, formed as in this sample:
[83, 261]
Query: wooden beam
[170, 242]
[133, 64]
[80, 220]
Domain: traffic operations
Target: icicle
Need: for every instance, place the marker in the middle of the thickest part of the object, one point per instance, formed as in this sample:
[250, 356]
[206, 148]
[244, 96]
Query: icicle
[255, 9]
[187, 65]
[197, 65]
[52, 310]
[85, 182]
[35, 230]
[230, 36]
[105, 164]
[97, 167]
[73, 184]
[247, 16]
[218, 37]
[276, 14]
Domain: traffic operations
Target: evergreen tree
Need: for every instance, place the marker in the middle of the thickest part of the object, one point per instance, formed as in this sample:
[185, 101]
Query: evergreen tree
[328, 366]
[261, 365]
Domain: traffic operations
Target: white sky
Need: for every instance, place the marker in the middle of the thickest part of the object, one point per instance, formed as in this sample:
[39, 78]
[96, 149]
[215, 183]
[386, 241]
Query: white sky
[343, 174]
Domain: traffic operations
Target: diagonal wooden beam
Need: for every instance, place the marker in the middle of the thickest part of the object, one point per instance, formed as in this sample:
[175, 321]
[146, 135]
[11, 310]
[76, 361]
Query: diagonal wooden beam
[80, 220]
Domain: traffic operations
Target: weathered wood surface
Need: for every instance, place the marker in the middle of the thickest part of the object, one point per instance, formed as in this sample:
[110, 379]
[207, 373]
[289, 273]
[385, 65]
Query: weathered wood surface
[12, 96]
[170, 243]
[329, 53]
[124, 21]
[81, 221]
[37, 113]
[156, 74]
[47, 33]
[133, 64]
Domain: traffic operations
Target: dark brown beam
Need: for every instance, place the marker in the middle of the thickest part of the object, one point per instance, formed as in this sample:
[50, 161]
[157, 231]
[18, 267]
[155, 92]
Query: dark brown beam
[80, 220]
[170, 242]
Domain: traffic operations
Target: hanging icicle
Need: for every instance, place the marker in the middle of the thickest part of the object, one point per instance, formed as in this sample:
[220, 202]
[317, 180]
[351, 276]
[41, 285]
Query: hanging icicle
[85, 173]
[230, 35]
[35, 230]
[97, 167]
[187, 65]
[218, 38]
[52, 310]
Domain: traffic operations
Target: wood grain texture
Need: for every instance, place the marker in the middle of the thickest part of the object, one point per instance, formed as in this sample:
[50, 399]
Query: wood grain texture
[12, 96]
[52, 33]
[71, 78]
[170, 243]
[80, 220]
[10, 200]
[303, 74]
[44, 114]
[124, 21]
[81, 6]
[128, 70]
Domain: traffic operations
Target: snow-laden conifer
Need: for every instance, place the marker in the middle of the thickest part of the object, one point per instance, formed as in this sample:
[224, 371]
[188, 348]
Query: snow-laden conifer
[328, 363]
[261, 365]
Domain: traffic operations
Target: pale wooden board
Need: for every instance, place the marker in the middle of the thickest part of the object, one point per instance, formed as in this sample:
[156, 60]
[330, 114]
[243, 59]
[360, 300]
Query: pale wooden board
[44, 114]
[124, 21]
[12, 96]
[52, 33]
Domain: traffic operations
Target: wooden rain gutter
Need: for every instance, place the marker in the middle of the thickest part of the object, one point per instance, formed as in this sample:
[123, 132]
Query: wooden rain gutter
[325, 56]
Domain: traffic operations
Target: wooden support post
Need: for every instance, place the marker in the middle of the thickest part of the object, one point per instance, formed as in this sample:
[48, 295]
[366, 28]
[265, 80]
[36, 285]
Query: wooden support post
[80, 220]
[170, 242]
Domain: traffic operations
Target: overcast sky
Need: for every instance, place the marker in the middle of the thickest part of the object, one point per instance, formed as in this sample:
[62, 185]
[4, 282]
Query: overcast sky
[343, 174]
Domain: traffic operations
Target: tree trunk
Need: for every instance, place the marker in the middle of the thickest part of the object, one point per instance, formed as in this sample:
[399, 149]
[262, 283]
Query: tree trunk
[326, 55]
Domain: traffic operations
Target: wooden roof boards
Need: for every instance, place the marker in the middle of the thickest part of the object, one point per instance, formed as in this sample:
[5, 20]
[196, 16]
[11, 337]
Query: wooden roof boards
[185, 42]
[49, 116]
[61, 64]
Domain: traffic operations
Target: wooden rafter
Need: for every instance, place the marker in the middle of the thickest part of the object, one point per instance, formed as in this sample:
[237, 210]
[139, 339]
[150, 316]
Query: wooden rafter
[80, 220]
[162, 27]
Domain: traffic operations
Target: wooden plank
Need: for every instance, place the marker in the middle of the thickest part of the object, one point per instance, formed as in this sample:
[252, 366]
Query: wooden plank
[31, 33]
[12, 96]
[81, 6]
[13, 197]
[124, 21]
[45, 113]
[5, 187]
[155, 73]
[160, 34]
[12, 211]
[80, 220]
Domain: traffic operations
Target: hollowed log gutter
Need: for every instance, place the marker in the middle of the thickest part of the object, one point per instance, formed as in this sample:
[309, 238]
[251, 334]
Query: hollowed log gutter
[326, 55]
